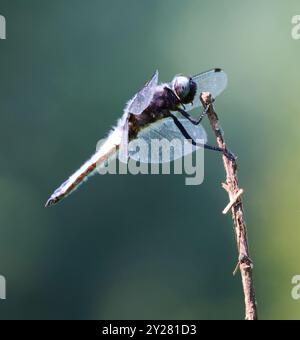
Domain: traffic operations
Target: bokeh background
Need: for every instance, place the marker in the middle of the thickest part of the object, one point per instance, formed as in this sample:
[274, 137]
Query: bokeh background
[145, 247]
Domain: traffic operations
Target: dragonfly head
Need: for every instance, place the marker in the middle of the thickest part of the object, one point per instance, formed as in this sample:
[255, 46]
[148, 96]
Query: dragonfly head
[184, 88]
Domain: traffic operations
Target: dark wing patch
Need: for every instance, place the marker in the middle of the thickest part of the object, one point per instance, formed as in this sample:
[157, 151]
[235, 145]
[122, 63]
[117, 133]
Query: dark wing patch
[143, 98]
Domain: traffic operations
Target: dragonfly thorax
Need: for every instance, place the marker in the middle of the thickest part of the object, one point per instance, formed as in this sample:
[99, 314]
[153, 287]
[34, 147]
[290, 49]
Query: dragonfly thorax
[184, 88]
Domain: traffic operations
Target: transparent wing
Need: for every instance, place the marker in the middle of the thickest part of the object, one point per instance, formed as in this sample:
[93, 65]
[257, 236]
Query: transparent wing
[213, 81]
[144, 97]
[162, 142]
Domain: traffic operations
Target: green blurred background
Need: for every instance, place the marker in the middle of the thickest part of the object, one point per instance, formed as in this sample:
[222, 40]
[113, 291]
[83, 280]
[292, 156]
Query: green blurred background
[145, 247]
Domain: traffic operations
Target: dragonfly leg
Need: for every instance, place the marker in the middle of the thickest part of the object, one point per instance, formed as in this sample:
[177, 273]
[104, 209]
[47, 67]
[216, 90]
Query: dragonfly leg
[226, 152]
[191, 119]
[182, 129]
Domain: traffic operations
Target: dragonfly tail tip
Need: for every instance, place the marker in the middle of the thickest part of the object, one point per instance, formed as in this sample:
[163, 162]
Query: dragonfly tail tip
[50, 202]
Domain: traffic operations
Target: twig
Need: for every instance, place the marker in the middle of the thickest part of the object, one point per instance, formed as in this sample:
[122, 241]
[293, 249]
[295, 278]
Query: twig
[233, 201]
[231, 186]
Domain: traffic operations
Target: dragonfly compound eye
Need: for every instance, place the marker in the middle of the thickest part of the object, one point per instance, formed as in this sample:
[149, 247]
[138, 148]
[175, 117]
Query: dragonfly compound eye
[185, 89]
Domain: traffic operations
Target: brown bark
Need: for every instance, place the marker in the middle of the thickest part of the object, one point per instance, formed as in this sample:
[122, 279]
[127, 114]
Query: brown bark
[245, 264]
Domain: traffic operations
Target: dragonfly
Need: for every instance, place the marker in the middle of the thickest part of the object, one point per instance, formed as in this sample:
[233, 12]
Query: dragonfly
[156, 110]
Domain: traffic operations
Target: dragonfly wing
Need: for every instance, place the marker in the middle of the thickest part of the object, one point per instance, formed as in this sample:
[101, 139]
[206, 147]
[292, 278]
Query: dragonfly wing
[143, 98]
[213, 81]
[162, 142]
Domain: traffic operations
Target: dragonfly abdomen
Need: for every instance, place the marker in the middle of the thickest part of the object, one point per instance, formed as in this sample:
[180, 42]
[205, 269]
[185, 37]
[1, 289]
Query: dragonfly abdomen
[107, 150]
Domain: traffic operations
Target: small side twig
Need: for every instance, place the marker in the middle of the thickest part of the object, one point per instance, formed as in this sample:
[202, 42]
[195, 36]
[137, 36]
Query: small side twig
[231, 186]
[233, 201]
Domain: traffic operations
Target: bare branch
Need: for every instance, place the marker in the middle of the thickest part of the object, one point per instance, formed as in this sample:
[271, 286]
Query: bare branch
[231, 186]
